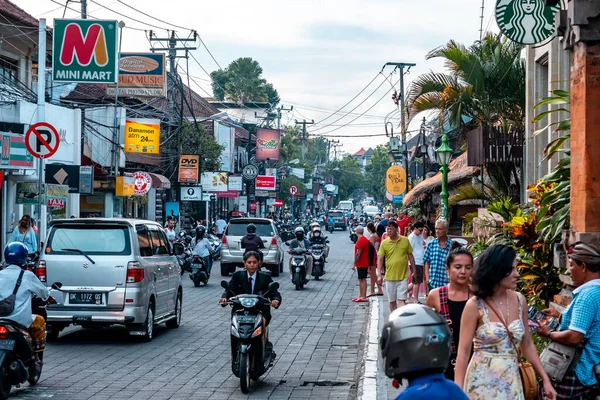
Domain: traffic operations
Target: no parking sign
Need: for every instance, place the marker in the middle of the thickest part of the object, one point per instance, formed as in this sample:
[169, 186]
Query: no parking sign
[42, 140]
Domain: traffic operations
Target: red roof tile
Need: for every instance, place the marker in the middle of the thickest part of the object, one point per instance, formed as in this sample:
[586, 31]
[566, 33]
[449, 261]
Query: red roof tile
[360, 153]
[17, 14]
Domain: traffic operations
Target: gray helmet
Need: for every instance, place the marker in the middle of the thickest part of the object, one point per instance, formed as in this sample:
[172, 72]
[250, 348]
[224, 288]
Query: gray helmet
[299, 230]
[415, 339]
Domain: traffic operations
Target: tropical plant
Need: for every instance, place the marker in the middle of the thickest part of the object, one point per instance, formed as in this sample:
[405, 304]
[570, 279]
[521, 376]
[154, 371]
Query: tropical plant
[242, 82]
[194, 139]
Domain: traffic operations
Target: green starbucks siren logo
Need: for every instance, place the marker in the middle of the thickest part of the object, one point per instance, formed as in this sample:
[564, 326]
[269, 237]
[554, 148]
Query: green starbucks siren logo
[526, 21]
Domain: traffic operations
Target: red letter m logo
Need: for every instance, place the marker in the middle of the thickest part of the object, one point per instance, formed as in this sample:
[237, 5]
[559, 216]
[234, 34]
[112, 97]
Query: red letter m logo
[84, 48]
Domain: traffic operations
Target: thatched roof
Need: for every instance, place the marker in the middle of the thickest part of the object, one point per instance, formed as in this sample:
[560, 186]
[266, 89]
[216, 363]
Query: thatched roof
[459, 171]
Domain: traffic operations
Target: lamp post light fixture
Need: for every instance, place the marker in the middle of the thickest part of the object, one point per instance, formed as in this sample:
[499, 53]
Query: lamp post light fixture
[443, 155]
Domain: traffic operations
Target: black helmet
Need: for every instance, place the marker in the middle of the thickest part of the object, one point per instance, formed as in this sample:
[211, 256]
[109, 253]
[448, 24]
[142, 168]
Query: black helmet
[187, 239]
[251, 228]
[415, 339]
[200, 231]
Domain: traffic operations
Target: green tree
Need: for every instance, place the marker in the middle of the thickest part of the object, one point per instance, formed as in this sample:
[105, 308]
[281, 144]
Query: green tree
[346, 173]
[284, 191]
[195, 140]
[242, 82]
[375, 172]
[291, 143]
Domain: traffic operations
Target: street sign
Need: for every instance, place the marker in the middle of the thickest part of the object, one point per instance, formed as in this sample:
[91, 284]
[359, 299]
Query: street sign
[250, 172]
[85, 51]
[278, 203]
[42, 140]
[293, 190]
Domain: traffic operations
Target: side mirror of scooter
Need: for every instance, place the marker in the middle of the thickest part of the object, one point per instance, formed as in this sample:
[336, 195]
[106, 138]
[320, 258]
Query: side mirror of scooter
[225, 285]
[273, 286]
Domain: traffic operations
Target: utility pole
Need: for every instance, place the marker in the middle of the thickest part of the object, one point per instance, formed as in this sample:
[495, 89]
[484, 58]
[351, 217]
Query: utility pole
[83, 9]
[335, 149]
[329, 143]
[279, 110]
[304, 123]
[401, 66]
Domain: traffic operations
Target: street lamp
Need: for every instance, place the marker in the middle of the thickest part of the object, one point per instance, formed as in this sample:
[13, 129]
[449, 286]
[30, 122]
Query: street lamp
[443, 156]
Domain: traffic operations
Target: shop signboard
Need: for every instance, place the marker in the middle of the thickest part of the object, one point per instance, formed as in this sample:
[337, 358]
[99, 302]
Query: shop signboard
[268, 142]
[27, 193]
[215, 181]
[125, 186]
[395, 180]
[56, 200]
[230, 194]
[143, 183]
[142, 136]
[85, 50]
[78, 178]
[264, 182]
[527, 22]
[14, 154]
[140, 75]
[193, 193]
[235, 183]
[188, 168]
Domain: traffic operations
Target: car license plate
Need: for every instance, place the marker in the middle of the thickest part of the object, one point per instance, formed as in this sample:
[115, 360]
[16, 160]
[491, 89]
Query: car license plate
[85, 298]
[7, 344]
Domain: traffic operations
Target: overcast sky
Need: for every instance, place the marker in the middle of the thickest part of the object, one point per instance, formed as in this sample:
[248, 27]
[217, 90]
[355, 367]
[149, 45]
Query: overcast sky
[317, 54]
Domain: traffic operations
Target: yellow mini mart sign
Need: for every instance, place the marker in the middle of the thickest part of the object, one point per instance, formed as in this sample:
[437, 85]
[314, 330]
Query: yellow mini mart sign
[142, 136]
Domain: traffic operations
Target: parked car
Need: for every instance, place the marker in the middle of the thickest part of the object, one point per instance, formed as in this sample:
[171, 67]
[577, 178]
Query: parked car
[232, 253]
[339, 218]
[111, 271]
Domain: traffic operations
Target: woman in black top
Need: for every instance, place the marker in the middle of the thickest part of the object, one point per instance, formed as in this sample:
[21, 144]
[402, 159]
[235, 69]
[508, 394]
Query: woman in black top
[450, 300]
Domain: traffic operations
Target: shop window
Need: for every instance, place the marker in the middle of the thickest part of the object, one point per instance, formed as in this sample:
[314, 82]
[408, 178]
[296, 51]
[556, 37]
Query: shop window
[9, 70]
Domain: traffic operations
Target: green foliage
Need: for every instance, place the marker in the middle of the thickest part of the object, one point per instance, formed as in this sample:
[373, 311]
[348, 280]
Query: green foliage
[346, 173]
[284, 191]
[195, 140]
[242, 82]
[375, 172]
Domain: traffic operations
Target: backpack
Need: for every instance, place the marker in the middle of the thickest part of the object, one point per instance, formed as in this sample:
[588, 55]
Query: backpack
[7, 305]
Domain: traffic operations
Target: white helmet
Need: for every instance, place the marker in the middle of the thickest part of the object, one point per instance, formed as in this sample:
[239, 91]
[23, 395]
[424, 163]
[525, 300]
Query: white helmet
[314, 225]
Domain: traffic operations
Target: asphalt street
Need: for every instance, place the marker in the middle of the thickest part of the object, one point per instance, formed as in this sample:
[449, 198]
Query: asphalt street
[318, 335]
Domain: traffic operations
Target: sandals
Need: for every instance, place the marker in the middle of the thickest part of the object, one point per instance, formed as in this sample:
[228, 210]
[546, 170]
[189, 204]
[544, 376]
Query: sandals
[359, 300]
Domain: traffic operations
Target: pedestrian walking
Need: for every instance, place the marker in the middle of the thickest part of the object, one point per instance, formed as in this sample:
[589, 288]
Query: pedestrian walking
[403, 223]
[493, 321]
[170, 231]
[221, 224]
[450, 300]
[418, 246]
[25, 234]
[396, 252]
[374, 242]
[361, 264]
[579, 324]
[435, 257]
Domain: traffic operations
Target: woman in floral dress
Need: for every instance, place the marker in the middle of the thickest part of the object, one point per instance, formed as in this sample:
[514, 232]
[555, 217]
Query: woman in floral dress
[493, 372]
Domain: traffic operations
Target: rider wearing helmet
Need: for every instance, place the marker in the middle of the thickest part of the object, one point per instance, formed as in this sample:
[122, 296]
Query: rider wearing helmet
[415, 345]
[252, 242]
[318, 238]
[16, 279]
[202, 247]
[300, 241]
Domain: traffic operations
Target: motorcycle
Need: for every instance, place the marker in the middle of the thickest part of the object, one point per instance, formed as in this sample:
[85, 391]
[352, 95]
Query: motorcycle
[199, 271]
[215, 245]
[250, 358]
[353, 235]
[318, 253]
[298, 255]
[330, 228]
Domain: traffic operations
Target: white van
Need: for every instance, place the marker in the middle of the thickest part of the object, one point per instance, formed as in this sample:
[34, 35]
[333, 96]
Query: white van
[347, 206]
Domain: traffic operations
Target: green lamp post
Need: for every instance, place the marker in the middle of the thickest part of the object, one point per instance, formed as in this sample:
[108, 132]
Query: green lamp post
[443, 155]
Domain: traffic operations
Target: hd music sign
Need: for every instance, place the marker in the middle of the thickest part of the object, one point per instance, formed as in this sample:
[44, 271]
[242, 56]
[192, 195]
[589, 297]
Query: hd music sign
[140, 75]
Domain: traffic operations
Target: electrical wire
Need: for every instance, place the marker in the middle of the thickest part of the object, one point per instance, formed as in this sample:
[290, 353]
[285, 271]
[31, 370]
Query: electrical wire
[90, 17]
[128, 17]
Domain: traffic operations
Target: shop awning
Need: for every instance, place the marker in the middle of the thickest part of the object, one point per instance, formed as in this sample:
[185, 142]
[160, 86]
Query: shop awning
[160, 181]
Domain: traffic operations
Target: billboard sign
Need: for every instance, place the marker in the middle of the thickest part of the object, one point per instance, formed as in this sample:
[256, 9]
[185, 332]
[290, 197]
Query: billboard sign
[395, 180]
[268, 142]
[526, 22]
[78, 178]
[224, 134]
[14, 152]
[264, 182]
[193, 193]
[85, 50]
[188, 168]
[214, 181]
[140, 75]
[142, 136]
[235, 183]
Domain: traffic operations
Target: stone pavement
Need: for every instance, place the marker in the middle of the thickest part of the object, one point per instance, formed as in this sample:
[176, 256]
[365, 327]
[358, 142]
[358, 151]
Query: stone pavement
[318, 335]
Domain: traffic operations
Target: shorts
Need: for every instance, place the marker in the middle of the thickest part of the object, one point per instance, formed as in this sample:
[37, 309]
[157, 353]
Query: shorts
[418, 277]
[392, 287]
[362, 272]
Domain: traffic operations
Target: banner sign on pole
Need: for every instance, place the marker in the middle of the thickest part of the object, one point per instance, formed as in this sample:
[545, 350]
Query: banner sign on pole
[395, 180]
[188, 168]
[14, 152]
[142, 136]
[85, 50]
[56, 200]
[140, 75]
[526, 22]
[214, 181]
[268, 143]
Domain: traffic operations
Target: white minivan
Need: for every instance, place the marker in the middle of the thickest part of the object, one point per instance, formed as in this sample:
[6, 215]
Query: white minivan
[347, 206]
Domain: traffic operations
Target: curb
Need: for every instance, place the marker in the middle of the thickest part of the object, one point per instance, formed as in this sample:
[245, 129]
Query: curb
[367, 385]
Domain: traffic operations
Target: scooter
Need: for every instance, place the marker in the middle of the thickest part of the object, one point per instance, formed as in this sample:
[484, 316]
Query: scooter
[330, 228]
[298, 255]
[199, 271]
[353, 235]
[215, 245]
[318, 254]
[250, 358]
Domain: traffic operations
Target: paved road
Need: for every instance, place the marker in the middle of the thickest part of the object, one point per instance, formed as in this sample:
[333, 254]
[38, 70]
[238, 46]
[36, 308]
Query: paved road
[318, 334]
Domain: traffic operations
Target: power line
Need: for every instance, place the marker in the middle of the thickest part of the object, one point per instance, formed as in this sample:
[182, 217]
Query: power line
[89, 16]
[128, 17]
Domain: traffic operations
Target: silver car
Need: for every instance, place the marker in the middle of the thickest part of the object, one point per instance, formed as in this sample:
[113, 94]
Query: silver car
[232, 253]
[111, 271]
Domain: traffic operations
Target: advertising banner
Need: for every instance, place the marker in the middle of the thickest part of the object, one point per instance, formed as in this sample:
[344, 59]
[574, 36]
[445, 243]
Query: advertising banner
[395, 180]
[125, 186]
[214, 181]
[264, 182]
[224, 139]
[235, 183]
[79, 179]
[172, 210]
[142, 136]
[140, 74]
[14, 152]
[243, 204]
[56, 200]
[230, 194]
[85, 51]
[268, 142]
[27, 193]
[193, 193]
[526, 22]
[188, 168]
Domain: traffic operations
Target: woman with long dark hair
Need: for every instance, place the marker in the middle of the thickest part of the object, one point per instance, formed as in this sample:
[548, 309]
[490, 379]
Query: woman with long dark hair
[450, 300]
[494, 323]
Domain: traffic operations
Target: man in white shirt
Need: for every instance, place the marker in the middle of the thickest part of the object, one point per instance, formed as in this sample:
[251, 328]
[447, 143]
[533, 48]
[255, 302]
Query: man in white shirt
[418, 245]
[15, 254]
[170, 231]
[221, 224]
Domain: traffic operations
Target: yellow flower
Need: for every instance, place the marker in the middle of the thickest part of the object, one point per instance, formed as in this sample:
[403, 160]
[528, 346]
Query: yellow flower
[518, 220]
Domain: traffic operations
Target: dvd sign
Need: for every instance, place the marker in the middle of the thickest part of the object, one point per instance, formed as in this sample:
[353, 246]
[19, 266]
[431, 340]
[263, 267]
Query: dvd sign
[188, 168]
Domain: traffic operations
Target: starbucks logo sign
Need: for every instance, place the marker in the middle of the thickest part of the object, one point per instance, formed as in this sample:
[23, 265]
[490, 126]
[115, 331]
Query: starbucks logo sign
[526, 21]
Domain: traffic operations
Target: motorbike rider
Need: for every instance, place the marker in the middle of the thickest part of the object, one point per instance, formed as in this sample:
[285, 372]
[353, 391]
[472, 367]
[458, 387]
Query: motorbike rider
[202, 247]
[252, 242]
[15, 255]
[301, 242]
[252, 281]
[318, 238]
[330, 222]
[415, 345]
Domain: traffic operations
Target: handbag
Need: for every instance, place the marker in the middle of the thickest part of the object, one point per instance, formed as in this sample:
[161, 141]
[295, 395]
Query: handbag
[528, 377]
[7, 305]
[557, 359]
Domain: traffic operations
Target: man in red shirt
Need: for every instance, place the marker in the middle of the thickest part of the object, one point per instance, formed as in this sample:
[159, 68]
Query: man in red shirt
[403, 223]
[361, 263]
